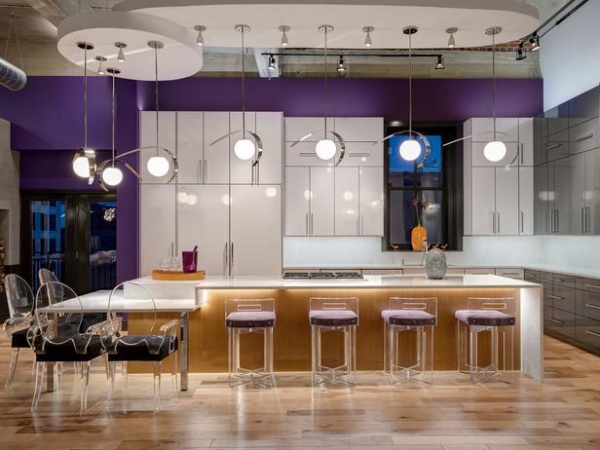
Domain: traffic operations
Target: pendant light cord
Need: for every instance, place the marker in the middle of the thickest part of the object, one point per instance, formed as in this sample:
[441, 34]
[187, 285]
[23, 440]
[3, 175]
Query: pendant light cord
[494, 81]
[242, 28]
[410, 85]
[156, 91]
[113, 119]
[85, 99]
[326, 29]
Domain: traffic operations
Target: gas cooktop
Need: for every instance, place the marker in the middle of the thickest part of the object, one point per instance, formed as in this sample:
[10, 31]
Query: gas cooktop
[322, 276]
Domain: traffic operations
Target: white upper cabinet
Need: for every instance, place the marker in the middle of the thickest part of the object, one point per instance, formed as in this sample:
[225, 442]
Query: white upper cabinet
[507, 129]
[215, 165]
[241, 171]
[371, 201]
[359, 129]
[363, 154]
[526, 141]
[298, 127]
[347, 218]
[526, 207]
[297, 201]
[269, 126]
[190, 147]
[321, 194]
[166, 136]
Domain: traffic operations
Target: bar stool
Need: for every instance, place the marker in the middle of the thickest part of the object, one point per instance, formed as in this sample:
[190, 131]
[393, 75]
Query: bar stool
[244, 316]
[334, 314]
[403, 316]
[485, 315]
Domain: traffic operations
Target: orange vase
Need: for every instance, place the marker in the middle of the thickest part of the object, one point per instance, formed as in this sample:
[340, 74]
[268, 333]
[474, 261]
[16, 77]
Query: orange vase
[417, 235]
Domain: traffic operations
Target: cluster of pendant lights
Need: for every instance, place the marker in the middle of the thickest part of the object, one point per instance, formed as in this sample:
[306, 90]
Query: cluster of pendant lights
[84, 162]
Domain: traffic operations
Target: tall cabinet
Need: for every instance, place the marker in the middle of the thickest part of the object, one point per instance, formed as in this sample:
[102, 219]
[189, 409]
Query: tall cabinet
[227, 207]
[323, 200]
[499, 195]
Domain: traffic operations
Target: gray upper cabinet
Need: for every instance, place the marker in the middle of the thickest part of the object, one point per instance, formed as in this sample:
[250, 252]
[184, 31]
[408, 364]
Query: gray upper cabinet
[567, 166]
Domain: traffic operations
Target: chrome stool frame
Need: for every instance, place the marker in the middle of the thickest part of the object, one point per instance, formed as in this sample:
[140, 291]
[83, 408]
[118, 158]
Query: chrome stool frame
[327, 315]
[244, 316]
[485, 315]
[403, 316]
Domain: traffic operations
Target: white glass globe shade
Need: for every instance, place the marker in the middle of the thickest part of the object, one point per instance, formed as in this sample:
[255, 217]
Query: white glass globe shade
[494, 151]
[325, 149]
[410, 150]
[112, 176]
[271, 192]
[191, 200]
[244, 149]
[158, 166]
[81, 167]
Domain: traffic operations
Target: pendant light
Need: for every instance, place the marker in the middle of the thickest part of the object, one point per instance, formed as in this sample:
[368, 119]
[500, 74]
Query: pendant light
[325, 148]
[410, 149]
[245, 148]
[284, 39]
[368, 41]
[157, 165]
[494, 150]
[84, 162]
[451, 41]
[121, 53]
[112, 175]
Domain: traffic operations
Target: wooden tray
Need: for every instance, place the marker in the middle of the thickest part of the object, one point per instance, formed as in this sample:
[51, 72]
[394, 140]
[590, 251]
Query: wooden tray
[169, 275]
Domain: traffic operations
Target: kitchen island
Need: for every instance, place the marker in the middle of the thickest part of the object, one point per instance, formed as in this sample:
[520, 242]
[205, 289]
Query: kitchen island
[207, 335]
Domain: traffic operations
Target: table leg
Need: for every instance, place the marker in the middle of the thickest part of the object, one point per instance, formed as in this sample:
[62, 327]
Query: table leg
[183, 378]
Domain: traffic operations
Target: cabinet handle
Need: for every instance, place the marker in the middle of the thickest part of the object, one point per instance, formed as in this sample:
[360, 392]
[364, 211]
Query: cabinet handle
[225, 259]
[522, 222]
[584, 137]
[510, 273]
[587, 305]
[555, 297]
[306, 224]
[560, 322]
[498, 214]
[521, 153]
[205, 170]
[588, 219]
[231, 259]
[553, 146]
[593, 333]
[582, 220]
[557, 227]
[593, 286]
[200, 171]
[493, 222]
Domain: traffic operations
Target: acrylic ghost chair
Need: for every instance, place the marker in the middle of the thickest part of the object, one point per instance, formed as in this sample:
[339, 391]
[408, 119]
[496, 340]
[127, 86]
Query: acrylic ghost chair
[151, 346]
[56, 337]
[20, 307]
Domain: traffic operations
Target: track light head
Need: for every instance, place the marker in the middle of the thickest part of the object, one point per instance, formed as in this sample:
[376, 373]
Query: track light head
[272, 63]
[439, 65]
[341, 67]
[534, 40]
[521, 55]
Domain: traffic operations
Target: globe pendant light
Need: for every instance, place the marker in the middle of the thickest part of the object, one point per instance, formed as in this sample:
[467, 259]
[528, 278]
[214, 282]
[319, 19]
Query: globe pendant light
[84, 161]
[112, 175]
[244, 148]
[325, 148]
[157, 165]
[494, 150]
[410, 149]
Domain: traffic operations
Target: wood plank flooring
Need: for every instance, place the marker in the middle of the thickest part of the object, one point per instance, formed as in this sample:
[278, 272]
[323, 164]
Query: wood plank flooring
[561, 413]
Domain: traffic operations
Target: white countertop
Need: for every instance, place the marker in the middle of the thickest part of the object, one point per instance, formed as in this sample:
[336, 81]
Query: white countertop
[369, 281]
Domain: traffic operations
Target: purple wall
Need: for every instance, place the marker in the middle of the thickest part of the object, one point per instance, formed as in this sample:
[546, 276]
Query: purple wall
[47, 118]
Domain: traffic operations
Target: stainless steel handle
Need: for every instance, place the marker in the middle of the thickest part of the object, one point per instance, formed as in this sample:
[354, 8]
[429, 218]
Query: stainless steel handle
[593, 333]
[231, 259]
[555, 297]
[582, 220]
[200, 171]
[584, 137]
[522, 222]
[555, 320]
[205, 170]
[557, 225]
[510, 273]
[553, 146]
[593, 286]
[225, 259]
[493, 222]
[306, 224]
[498, 226]
[521, 153]
[588, 221]
[587, 305]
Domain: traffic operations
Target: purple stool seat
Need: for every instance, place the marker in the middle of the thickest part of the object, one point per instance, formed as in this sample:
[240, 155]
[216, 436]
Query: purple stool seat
[483, 317]
[408, 317]
[250, 319]
[333, 318]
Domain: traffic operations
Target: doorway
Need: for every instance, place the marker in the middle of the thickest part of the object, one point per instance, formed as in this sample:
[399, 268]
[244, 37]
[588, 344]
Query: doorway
[72, 234]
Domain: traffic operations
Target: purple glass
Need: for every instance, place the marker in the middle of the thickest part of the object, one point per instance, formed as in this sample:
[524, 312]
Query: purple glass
[189, 260]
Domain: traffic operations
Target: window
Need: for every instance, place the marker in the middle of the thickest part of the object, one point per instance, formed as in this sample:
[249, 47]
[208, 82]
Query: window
[424, 193]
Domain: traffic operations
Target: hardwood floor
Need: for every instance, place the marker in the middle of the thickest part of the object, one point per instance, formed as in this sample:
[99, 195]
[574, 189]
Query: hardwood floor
[561, 413]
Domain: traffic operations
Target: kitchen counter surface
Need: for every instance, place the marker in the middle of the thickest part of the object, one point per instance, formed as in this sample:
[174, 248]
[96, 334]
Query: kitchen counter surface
[369, 282]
